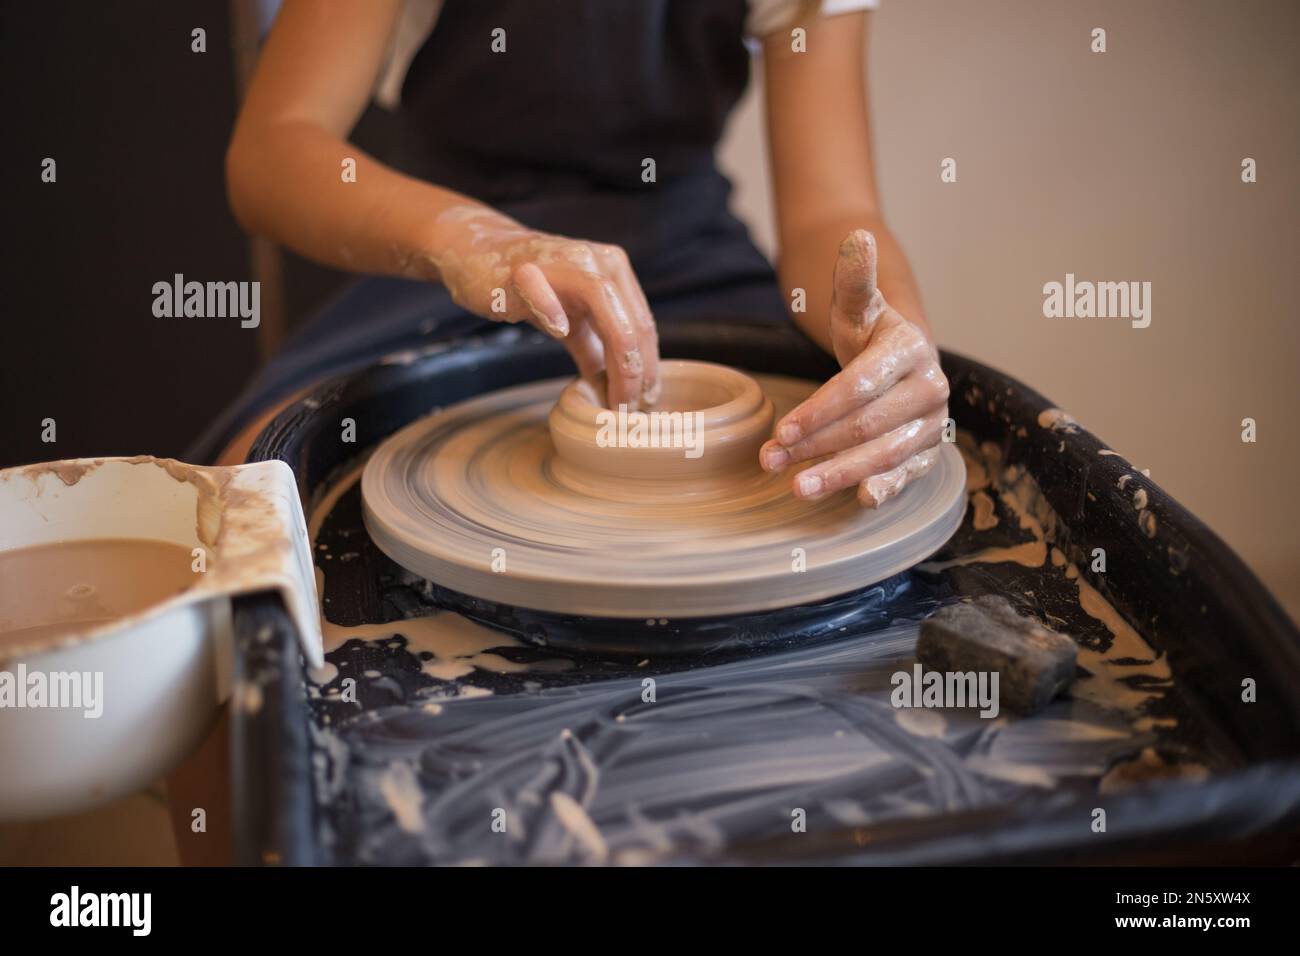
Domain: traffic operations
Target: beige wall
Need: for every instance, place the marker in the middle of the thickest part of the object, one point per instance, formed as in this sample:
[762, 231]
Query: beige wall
[1116, 166]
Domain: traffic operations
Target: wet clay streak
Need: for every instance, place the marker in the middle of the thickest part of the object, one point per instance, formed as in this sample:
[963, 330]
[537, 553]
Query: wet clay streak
[1124, 672]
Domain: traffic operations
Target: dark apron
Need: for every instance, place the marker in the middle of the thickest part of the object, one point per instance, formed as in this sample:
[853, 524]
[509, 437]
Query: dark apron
[554, 132]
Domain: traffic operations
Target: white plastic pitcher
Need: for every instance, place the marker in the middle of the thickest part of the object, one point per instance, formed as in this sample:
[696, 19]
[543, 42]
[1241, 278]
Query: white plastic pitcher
[165, 669]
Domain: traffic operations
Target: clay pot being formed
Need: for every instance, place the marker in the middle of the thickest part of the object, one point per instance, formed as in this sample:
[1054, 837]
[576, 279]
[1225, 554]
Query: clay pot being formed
[709, 421]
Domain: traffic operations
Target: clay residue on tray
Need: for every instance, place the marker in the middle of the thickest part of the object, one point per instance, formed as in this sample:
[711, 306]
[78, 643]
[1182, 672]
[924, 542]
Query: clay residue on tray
[983, 515]
[1149, 767]
[401, 792]
[1018, 494]
[450, 647]
[1125, 672]
[1057, 420]
[722, 755]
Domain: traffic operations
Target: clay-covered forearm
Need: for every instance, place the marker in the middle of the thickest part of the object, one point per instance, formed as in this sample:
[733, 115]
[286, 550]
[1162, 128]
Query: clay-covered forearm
[321, 196]
[285, 183]
[806, 261]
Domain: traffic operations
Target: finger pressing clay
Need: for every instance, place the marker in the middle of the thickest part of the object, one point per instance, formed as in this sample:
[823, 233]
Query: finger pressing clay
[1034, 664]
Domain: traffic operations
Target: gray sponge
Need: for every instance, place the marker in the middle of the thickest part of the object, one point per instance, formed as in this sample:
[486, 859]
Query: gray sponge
[1034, 664]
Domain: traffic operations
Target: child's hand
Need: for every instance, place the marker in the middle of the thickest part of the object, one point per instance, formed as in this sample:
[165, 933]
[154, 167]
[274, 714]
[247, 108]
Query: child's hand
[882, 416]
[583, 293]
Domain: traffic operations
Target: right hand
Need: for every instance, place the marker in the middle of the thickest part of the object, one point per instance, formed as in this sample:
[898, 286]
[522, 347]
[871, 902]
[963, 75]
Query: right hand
[881, 418]
[583, 293]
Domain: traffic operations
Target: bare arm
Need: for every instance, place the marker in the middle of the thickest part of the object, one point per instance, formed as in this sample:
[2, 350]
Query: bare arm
[284, 172]
[819, 135]
[285, 162]
[877, 423]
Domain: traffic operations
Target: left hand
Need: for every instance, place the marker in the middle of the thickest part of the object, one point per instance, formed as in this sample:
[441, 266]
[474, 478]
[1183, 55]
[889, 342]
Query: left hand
[881, 417]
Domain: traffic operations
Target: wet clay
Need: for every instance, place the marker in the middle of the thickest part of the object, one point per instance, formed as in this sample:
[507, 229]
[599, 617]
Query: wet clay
[515, 498]
[51, 590]
[708, 424]
[1124, 673]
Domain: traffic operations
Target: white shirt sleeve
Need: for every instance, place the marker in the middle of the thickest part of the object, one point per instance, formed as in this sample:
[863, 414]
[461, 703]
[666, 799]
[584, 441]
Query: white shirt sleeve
[769, 16]
[413, 27]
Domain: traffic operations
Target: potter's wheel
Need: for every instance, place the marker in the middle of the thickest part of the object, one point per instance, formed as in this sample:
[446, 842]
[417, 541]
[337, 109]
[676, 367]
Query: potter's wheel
[477, 499]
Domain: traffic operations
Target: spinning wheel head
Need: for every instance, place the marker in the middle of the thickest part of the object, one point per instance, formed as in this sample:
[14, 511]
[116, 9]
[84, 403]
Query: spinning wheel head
[536, 497]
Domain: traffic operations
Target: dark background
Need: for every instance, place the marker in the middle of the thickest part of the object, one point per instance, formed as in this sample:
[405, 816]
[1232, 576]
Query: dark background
[138, 126]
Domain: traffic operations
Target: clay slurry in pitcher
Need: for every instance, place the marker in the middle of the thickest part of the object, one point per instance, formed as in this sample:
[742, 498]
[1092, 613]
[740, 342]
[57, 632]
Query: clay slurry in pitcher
[51, 590]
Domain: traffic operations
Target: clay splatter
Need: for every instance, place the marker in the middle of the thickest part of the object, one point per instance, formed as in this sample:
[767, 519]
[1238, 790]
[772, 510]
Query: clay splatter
[722, 754]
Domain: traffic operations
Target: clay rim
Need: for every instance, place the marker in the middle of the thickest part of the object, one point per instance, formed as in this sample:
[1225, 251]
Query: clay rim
[742, 421]
[577, 401]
